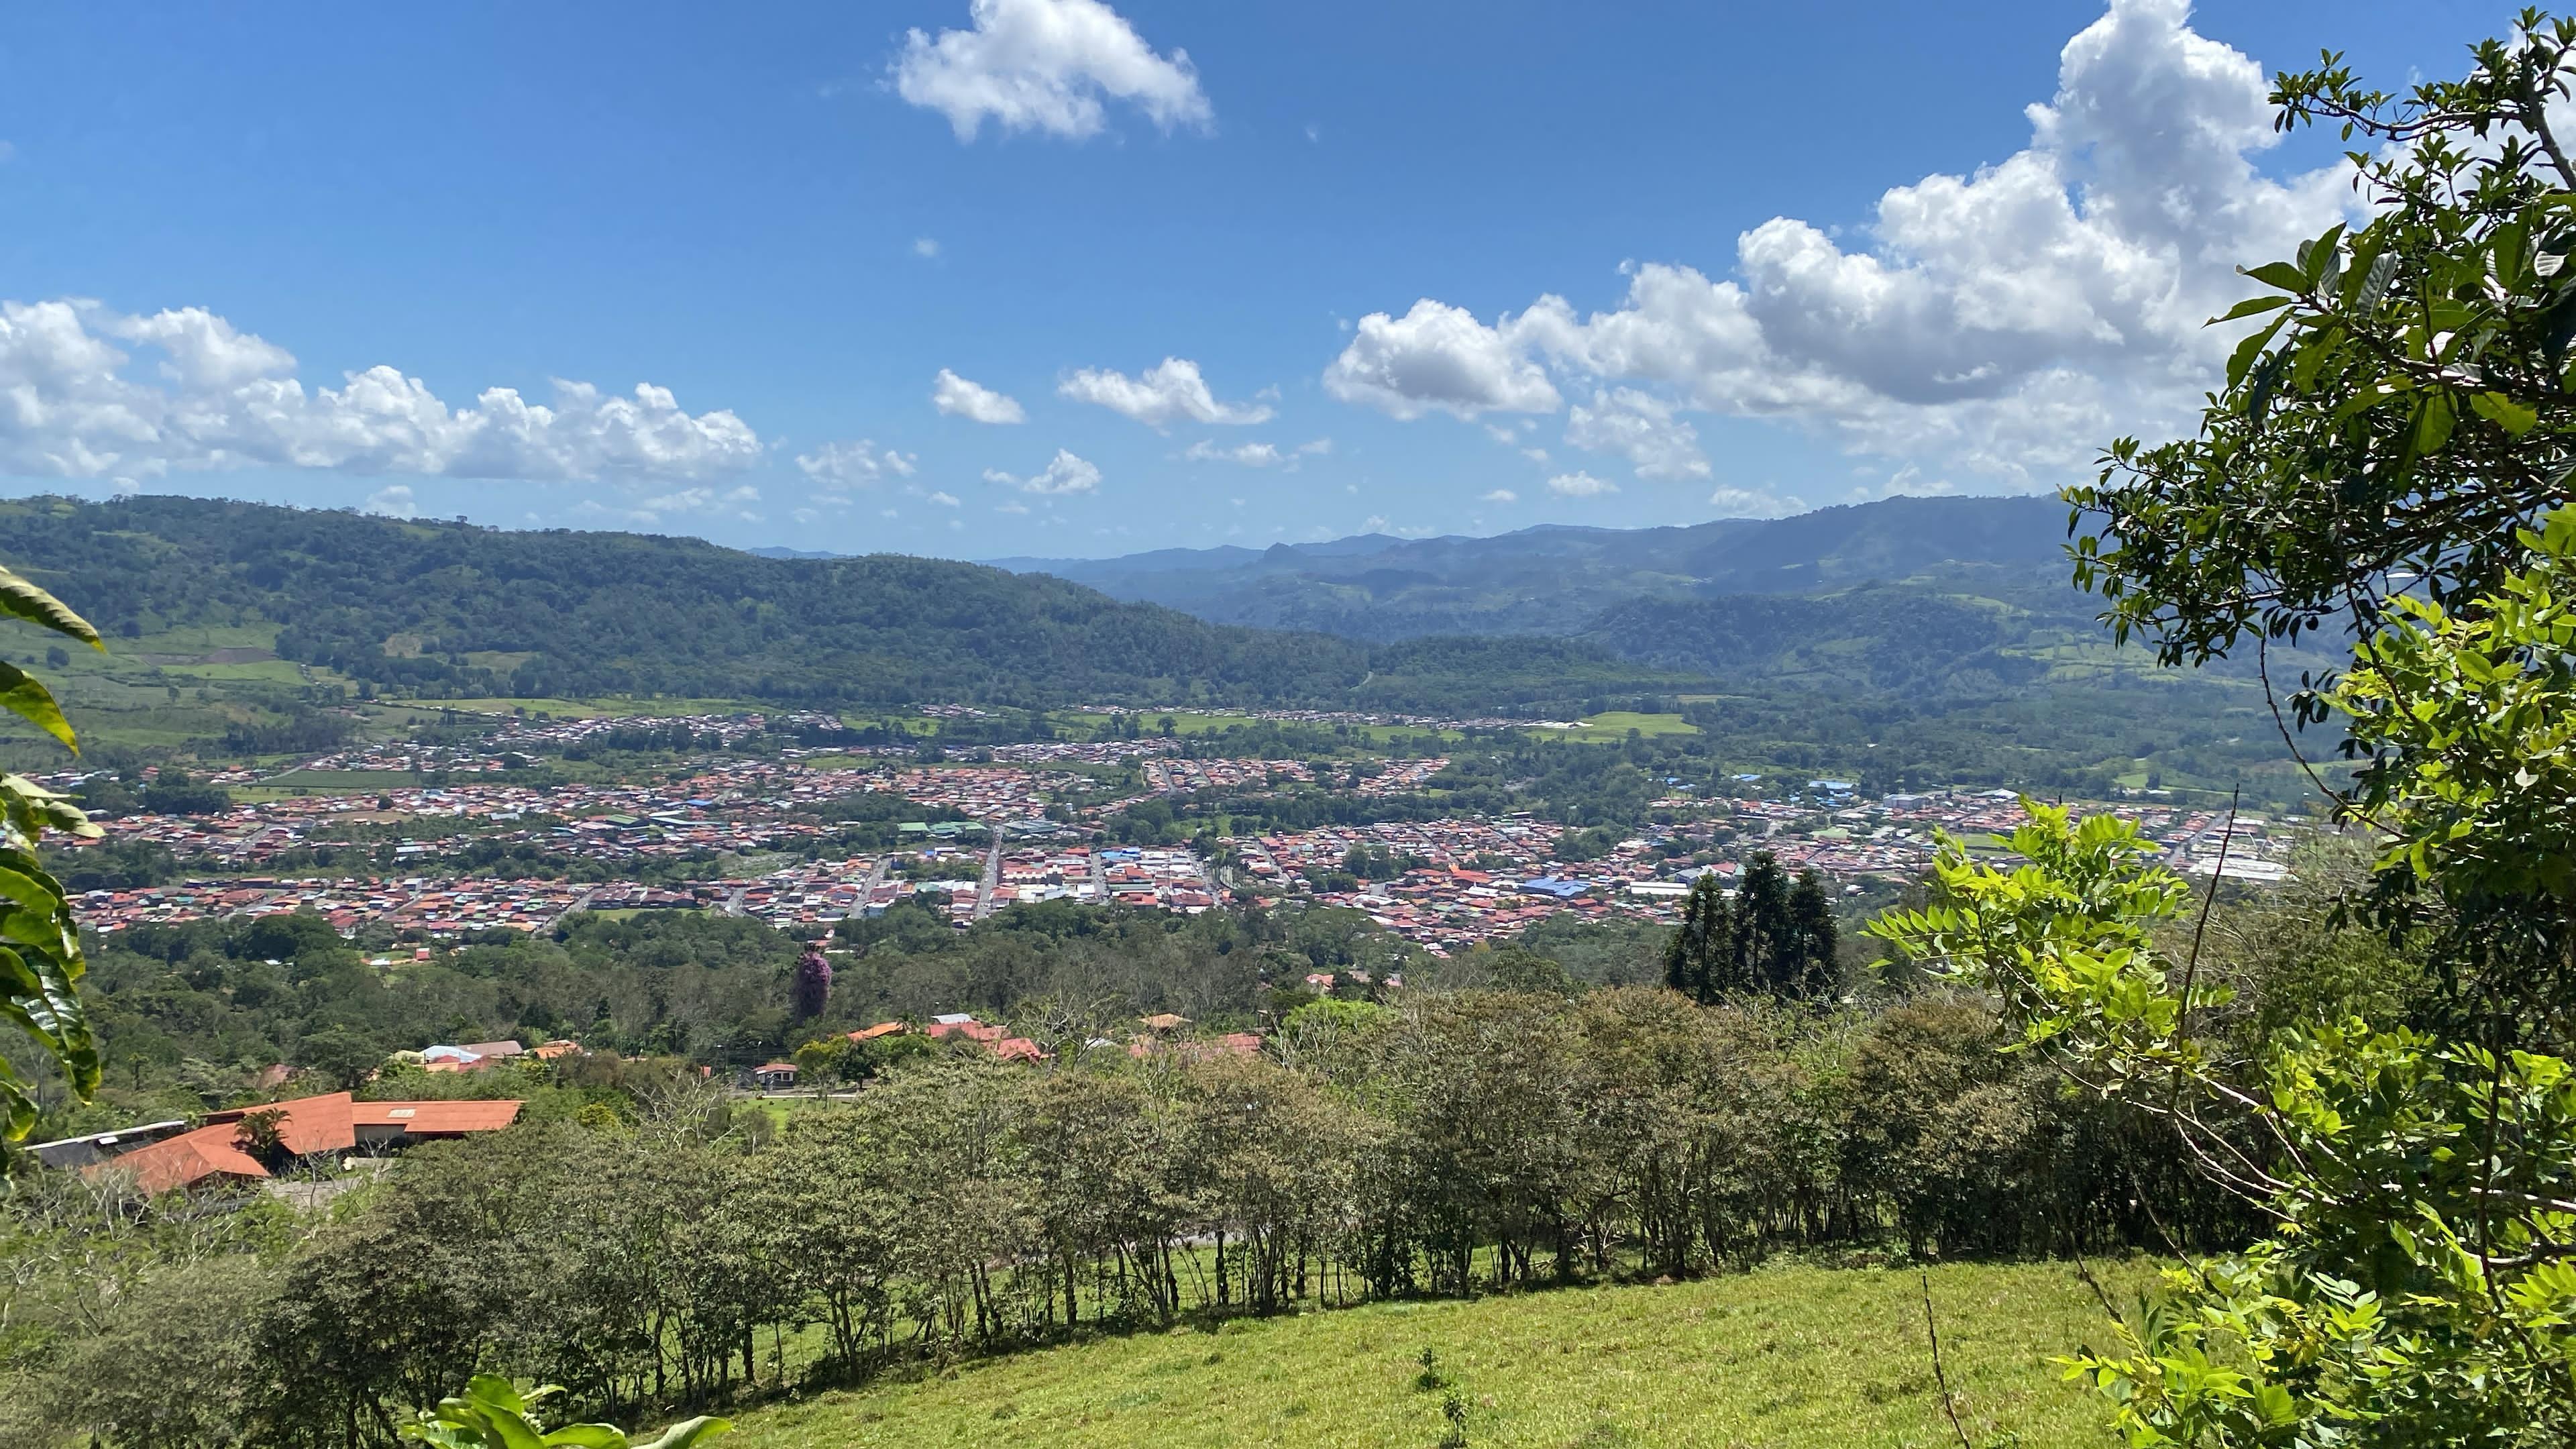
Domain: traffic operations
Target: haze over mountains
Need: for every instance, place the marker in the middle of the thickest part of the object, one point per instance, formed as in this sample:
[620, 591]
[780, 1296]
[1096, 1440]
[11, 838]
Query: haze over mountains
[1553, 579]
[455, 610]
[1910, 594]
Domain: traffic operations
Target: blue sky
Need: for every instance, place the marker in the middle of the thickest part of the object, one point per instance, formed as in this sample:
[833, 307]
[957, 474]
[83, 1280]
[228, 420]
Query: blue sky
[1240, 272]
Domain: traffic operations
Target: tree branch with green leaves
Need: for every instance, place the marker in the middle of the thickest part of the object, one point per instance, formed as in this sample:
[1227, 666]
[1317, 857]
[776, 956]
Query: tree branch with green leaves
[40, 954]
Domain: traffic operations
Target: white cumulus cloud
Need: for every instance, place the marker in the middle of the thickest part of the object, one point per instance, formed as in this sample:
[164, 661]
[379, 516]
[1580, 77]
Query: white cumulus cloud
[1499, 495]
[853, 464]
[1580, 485]
[1249, 455]
[1063, 474]
[1733, 502]
[1167, 392]
[736, 501]
[2005, 323]
[1640, 426]
[1046, 65]
[74, 403]
[1437, 357]
[973, 401]
[1256, 455]
[394, 501]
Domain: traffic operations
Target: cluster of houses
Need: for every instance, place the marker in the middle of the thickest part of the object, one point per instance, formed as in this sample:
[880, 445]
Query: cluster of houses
[1477, 879]
[1181, 777]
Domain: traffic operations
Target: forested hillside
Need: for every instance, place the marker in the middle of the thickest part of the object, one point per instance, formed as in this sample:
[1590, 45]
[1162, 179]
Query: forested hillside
[449, 609]
[234, 628]
[1558, 580]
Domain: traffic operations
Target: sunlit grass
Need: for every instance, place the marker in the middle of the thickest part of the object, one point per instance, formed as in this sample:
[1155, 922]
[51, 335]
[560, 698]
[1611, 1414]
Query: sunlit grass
[1788, 1356]
[1616, 724]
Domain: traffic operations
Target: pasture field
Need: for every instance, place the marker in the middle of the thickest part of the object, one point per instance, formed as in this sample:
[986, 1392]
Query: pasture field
[1792, 1357]
[1616, 724]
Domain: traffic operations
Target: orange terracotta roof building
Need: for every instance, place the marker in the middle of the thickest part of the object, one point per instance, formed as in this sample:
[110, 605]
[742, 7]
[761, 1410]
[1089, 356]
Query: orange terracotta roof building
[432, 1119]
[188, 1159]
[306, 1127]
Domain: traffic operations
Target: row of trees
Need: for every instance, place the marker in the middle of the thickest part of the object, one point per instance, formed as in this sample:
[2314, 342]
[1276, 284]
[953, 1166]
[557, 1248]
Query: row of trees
[1467, 1142]
[1772, 937]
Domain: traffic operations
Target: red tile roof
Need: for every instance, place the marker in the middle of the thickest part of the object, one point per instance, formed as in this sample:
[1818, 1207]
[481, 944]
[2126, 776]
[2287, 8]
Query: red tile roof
[436, 1119]
[186, 1160]
[305, 1124]
[308, 1125]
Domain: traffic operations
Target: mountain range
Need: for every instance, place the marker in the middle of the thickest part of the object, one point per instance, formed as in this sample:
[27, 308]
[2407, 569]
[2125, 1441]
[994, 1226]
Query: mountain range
[1933, 639]
[426, 608]
[1910, 594]
[1554, 579]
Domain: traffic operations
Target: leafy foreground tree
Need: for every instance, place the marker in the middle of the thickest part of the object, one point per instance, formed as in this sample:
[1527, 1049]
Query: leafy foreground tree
[40, 955]
[2391, 456]
[493, 1414]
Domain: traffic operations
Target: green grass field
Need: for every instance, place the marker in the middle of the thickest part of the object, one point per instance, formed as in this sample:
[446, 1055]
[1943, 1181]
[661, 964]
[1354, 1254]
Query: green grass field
[1793, 1357]
[1616, 724]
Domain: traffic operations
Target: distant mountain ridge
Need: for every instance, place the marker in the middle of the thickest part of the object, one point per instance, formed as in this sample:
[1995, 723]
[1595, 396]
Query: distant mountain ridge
[1560, 580]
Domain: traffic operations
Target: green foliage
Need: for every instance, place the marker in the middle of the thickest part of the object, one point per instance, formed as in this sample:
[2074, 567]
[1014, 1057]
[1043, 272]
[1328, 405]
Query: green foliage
[493, 1414]
[2462, 720]
[1774, 937]
[2415, 1289]
[2390, 454]
[2399, 415]
[1700, 956]
[40, 955]
[1792, 1355]
[447, 610]
[668, 1250]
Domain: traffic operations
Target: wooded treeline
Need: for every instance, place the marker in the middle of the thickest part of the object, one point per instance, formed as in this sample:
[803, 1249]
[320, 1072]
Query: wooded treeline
[1469, 1142]
[445, 609]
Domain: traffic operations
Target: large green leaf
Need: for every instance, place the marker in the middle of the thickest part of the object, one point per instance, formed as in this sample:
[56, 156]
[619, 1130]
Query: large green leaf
[24, 600]
[40, 972]
[689, 1432]
[2278, 274]
[30, 810]
[23, 695]
[17, 1108]
[44, 1003]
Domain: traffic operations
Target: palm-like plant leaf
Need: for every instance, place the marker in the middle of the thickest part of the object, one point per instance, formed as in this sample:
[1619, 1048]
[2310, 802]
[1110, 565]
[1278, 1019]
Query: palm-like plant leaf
[40, 954]
[688, 1432]
[23, 695]
[24, 600]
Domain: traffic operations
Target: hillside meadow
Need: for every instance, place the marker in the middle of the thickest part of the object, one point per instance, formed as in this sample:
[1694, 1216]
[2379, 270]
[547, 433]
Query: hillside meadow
[1793, 1357]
